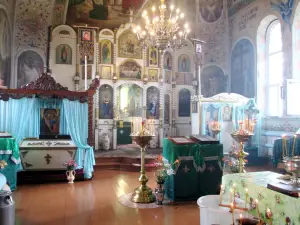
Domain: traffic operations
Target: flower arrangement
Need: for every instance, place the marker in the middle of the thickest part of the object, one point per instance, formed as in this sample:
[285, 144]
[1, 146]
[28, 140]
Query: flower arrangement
[3, 164]
[71, 165]
[163, 169]
[233, 159]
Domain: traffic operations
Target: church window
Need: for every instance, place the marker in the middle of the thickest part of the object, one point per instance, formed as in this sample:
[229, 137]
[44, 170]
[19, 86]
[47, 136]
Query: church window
[274, 79]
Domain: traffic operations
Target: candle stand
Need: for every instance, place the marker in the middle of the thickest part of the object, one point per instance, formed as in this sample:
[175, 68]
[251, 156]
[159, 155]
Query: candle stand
[142, 194]
[241, 154]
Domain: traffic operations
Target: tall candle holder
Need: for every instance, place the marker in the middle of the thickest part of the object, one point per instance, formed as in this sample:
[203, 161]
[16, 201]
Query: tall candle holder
[241, 138]
[142, 194]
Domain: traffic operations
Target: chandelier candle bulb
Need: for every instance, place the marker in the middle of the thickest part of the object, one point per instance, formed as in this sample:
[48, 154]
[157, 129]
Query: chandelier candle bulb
[231, 191]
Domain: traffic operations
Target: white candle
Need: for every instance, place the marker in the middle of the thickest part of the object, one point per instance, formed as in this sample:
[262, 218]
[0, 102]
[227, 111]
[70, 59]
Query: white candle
[85, 73]
[221, 192]
[232, 209]
[246, 197]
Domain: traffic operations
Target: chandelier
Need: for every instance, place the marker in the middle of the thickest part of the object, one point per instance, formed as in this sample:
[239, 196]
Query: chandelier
[162, 26]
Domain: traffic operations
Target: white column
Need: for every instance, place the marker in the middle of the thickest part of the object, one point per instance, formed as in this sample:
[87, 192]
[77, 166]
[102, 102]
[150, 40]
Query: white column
[85, 74]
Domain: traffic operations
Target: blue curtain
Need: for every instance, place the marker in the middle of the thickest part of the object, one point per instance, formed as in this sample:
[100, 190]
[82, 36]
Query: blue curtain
[76, 115]
[14, 118]
[15, 115]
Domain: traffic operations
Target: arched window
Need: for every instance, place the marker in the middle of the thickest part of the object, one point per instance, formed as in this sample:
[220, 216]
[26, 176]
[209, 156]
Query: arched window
[274, 69]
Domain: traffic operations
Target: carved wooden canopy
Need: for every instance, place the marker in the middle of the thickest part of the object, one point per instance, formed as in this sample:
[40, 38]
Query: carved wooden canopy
[44, 82]
[46, 87]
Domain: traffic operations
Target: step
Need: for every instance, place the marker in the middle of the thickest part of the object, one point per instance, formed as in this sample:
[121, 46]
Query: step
[124, 164]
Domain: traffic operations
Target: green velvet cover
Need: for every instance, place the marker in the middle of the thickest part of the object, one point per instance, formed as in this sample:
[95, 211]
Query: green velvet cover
[282, 206]
[199, 172]
[9, 151]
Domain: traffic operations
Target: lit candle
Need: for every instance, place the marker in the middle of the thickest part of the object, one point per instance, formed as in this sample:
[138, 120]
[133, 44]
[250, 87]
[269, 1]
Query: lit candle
[221, 193]
[246, 197]
[240, 125]
[234, 192]
[283, 152]
[293, 150]
[241, 219]
[258, 213]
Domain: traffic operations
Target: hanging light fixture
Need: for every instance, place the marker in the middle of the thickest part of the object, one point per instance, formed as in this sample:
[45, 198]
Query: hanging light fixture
[162, 26]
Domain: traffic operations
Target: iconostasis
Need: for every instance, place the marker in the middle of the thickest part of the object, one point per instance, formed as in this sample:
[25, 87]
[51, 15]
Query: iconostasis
[136, 82]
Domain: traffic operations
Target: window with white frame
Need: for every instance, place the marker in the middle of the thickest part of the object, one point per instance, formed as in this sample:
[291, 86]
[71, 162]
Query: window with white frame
[274, 69]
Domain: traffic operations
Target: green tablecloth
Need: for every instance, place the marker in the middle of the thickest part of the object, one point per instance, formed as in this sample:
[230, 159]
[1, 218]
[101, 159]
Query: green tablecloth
[199, 172]
[9, 151]
[282, 206]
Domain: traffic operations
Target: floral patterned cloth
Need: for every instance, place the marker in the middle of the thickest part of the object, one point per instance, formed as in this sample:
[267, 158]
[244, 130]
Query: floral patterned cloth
[284, 209]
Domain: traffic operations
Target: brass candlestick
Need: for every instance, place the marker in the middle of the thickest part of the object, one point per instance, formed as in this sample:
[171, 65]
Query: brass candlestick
[242, 139]
[142, 194]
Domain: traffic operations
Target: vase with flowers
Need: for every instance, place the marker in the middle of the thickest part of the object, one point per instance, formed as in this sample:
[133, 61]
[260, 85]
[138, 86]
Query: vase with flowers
[162, 171]
[71, 165]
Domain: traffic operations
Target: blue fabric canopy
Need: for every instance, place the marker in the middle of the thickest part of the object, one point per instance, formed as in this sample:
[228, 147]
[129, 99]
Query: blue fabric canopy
[238, 114]
[21, 118]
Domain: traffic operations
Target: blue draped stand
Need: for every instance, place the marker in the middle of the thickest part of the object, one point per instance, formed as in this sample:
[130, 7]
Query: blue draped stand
[21, 118]
[238, 114]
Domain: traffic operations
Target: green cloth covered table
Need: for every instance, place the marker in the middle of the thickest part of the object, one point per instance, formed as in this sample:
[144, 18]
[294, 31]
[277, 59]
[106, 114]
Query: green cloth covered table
[281, 206]
[199, 172]
[9, 151]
